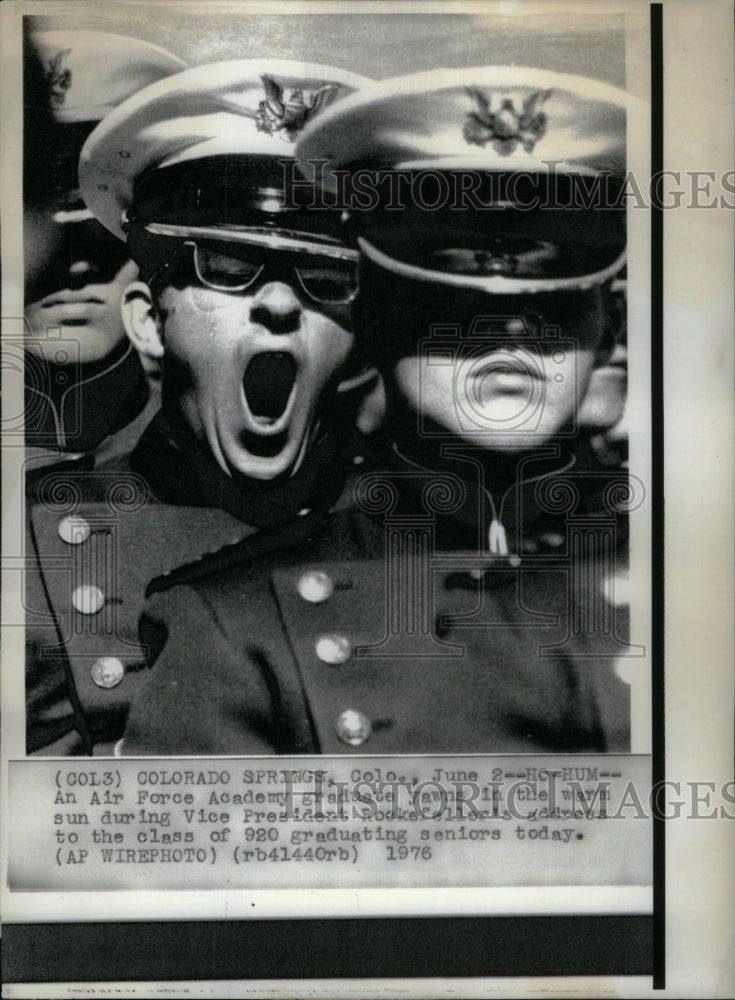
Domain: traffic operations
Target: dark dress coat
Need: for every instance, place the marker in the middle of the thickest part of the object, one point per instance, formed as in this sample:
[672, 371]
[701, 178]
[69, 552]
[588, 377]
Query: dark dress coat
[96, 536]
[392, 629]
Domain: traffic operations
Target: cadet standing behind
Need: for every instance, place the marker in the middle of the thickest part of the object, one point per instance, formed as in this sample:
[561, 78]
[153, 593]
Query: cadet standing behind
[462, 610]
[246, 308]
[84, 380]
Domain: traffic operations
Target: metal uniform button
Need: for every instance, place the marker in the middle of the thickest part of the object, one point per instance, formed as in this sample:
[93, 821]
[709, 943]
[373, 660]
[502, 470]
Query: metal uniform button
[88, 599]
[553, 539]
[353, 727]
[107, 672]
[315, 587]
[74, 530]
[616, 589]
[334, 649]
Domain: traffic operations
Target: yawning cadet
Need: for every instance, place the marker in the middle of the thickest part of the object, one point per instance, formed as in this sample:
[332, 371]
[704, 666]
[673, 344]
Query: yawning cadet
[245, 306]
[463, 607]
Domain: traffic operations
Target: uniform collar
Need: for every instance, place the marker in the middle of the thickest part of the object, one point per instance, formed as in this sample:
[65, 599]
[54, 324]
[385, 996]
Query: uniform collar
[497, 508]
[72, 408]
[181, 471]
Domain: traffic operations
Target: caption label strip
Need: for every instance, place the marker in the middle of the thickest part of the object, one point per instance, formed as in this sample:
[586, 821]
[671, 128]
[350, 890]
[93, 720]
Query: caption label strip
[329, 822]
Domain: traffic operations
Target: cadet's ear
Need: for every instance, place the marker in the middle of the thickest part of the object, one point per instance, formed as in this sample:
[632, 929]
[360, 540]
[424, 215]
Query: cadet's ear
[139, 319]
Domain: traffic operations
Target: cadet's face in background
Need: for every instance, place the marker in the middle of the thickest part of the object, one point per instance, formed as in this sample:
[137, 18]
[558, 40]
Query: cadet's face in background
[78, 290]
[604, 404]
[248, 370]
[510, 383]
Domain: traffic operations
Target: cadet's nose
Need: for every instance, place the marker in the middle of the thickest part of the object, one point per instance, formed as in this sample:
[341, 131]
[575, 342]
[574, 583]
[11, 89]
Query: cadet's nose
[82, 272]
[276, 307]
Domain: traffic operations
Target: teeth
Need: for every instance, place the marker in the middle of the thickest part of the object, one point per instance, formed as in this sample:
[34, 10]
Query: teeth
[268, 382]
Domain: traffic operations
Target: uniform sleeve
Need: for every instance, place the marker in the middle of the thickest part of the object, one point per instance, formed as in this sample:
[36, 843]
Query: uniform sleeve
[54, 725]
[50, 717]
[219, 680]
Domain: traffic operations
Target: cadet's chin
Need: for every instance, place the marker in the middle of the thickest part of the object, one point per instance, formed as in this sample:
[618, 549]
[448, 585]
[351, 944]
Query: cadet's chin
[71, 338]
[508, 443]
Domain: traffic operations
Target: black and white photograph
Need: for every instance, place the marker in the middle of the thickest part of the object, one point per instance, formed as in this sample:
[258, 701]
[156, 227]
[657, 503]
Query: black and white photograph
[340, 351]
[325, 401]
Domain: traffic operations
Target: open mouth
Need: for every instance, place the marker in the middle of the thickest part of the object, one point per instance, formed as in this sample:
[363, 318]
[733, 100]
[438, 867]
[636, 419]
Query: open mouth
[268, 383]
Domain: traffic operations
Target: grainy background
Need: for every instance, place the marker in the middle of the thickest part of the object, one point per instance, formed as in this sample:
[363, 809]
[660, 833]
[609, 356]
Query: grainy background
[378, 45]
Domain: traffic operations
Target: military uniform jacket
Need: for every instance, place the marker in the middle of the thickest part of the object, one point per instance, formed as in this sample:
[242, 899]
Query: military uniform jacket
[65, 414]
[381, 634]
[96, 537]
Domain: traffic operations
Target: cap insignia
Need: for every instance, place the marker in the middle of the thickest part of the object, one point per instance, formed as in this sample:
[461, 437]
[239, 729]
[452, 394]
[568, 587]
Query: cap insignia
[498, 120]
[58, 79]
[289, 114]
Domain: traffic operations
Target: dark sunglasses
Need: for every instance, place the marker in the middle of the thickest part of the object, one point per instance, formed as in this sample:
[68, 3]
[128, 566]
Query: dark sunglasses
[228, 267]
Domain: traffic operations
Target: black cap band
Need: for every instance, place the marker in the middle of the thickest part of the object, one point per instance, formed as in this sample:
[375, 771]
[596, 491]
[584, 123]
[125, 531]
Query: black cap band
[234, 190]
[229, 193]
[485, 229]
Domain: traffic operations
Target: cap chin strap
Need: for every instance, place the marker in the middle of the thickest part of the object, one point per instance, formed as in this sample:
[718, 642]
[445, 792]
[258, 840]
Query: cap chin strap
[497, 284]
[273, 239]
[367, 374]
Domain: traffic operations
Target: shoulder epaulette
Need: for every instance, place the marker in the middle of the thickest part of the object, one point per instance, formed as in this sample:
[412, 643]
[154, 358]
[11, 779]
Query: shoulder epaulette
[255, 546]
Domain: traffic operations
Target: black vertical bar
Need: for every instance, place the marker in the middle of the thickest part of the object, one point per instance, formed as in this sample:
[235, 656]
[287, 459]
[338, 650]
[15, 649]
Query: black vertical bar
[658, 740]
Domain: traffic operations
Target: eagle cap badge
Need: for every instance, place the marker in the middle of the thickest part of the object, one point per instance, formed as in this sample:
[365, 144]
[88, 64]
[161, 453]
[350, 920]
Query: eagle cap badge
[288, 113]
[498, 119]
[58, 79]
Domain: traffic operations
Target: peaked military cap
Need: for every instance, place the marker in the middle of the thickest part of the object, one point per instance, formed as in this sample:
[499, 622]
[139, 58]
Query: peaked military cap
[88, 73]
[202, 155]
[513, 176]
